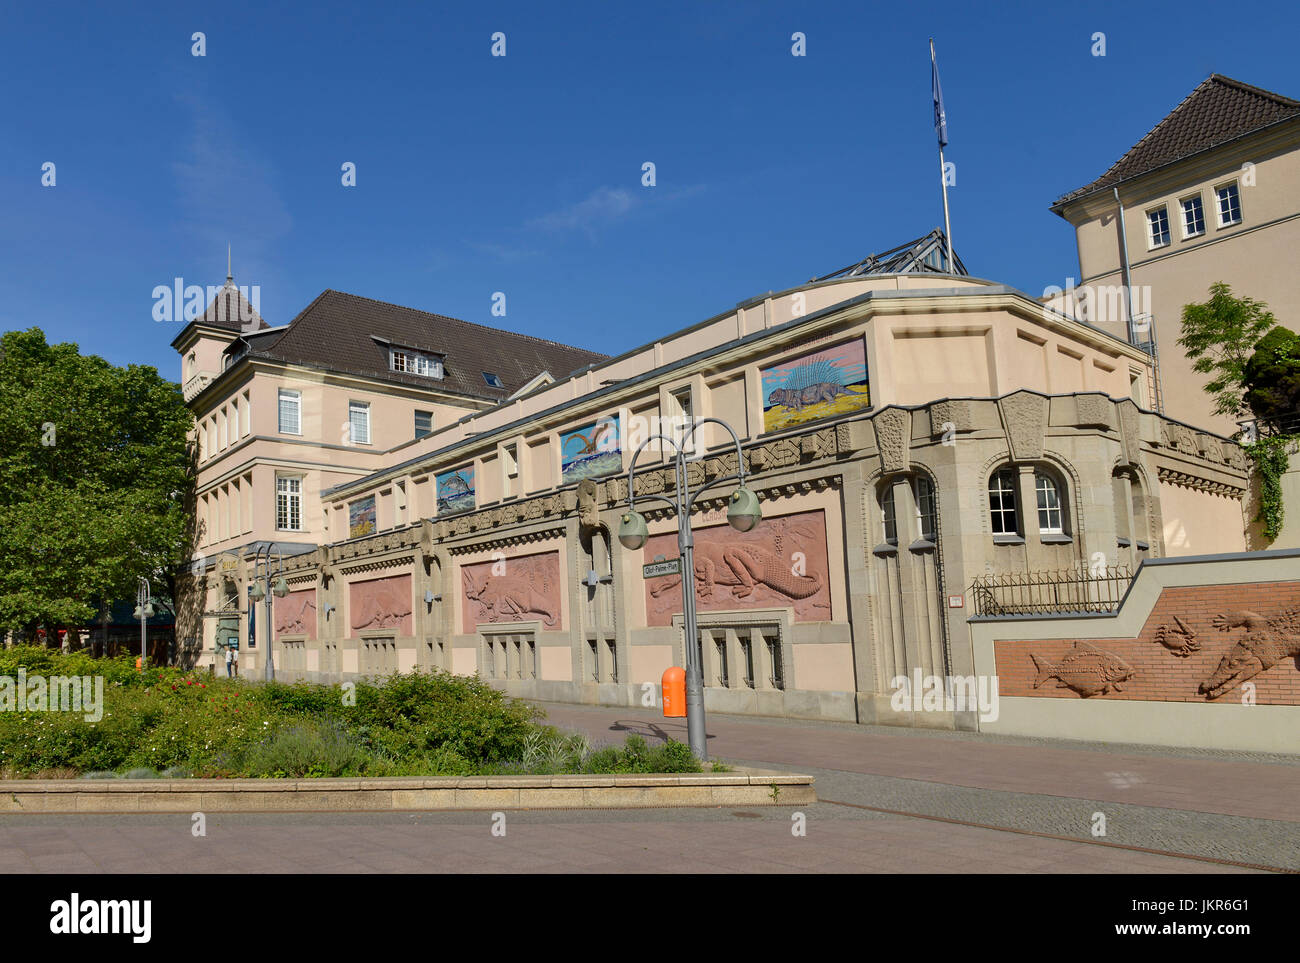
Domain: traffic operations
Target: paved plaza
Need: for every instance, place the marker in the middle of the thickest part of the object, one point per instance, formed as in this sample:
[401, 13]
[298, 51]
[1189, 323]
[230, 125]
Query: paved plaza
[891, 800]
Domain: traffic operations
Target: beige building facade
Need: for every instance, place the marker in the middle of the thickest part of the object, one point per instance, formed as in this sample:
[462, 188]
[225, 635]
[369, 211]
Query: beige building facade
[923, 444]
[1212, 193]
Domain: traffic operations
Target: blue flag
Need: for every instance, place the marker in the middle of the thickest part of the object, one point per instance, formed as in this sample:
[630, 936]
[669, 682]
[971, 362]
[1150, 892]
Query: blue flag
[940, 117]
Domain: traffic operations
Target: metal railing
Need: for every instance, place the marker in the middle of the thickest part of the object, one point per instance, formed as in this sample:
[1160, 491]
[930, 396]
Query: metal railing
[1051, 593]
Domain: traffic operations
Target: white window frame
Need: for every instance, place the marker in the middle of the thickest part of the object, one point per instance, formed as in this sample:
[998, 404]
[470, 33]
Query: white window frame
[1046, 491]
[1002, 483]
[354, 406]
[1183, 204]
[1153, 241]
[407, 361]
[290, 395]
[288, 488]
[1218, 203]
[888, 515]
[509, 470]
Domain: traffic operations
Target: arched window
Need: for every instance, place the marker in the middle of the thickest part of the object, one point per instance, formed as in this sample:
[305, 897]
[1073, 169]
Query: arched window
[1003, 515]
[1051, 509]
[927, 509]
[887, 517]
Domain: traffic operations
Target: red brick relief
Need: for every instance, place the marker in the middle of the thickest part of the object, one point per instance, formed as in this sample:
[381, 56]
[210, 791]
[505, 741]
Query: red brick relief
[781, 563]
[1201, 643]
[381, 603]
[522, 589]
[295, 614]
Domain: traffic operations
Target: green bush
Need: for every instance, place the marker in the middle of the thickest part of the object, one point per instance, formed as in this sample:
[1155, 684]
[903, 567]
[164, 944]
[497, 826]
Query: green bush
[168, 721]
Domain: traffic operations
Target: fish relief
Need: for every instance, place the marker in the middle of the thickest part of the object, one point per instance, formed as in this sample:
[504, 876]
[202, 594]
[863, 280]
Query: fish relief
[1086, 670]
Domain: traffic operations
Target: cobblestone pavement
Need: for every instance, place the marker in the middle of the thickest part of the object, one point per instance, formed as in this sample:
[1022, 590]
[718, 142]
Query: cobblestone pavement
[1232, 807]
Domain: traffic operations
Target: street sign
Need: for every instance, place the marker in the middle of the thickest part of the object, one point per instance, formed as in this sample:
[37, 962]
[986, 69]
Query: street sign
[672, 566]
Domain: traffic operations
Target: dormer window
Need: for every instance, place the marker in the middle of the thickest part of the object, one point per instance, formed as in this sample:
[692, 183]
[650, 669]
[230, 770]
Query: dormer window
[414, 362]
[492, 380]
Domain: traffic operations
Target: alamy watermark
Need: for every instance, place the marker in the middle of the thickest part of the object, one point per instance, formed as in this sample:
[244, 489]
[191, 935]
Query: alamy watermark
[185, 302]
[57, 693]
[948, 693]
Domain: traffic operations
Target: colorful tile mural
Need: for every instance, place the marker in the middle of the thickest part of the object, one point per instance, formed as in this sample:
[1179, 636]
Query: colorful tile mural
[361, 517]
[456, 490]
[826, 382]
[591, 451]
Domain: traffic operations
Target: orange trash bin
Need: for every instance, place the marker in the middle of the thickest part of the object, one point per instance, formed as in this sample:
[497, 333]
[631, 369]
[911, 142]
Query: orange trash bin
[674, 689]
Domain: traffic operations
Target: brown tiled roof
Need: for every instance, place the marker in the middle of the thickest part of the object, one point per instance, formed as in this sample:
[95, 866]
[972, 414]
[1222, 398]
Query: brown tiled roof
[1220, 109]
[339, 332]
[231, 310]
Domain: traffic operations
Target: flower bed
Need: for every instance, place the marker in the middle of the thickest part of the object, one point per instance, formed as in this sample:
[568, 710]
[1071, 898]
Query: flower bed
[168, 722]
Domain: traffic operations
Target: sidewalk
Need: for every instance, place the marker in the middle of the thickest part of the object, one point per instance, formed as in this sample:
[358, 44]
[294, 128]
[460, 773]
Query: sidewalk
[1076, 770]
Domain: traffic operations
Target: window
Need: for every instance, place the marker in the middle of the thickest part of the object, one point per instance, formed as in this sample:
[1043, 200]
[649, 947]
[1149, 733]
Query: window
[683, 414]
[724, 679]
[423, 423]
[1050, 516]
[1229, 204]
[290, 412]
[414, 362]
[509, 470]
[1157, 227]
[222, 421]
[492, 380]
[245, 414]
[887, 514]
[1002, 503]
[359, 422]
[927, 508]
[777, 676]
[1193, 216]
[288, 503]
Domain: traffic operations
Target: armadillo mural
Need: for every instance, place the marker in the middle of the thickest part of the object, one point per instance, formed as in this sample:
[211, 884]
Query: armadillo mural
[295, 614]
[381, 603]
[521, 589]
[781, 563]
[829, 381]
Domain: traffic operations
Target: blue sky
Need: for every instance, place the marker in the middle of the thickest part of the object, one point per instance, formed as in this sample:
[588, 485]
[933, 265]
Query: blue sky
[478, 174]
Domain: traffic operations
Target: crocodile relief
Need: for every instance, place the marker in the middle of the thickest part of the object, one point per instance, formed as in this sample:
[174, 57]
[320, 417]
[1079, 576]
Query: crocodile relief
[1267, 641]
[512, 590]
[780, 564]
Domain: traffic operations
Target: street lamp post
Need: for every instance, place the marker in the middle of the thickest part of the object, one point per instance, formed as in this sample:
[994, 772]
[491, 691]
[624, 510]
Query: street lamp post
[143, 610]
[743, 514]
[257, 593]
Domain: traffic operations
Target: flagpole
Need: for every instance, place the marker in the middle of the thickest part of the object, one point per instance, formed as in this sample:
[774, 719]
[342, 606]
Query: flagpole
[947, 226]
[941, 129]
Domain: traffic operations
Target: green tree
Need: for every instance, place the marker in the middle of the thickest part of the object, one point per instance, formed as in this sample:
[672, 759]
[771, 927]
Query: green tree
[1219, 337]
[1272, 377]
[96, 481]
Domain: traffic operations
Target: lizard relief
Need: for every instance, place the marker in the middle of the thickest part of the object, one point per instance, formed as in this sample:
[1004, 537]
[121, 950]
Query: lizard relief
[782, 563]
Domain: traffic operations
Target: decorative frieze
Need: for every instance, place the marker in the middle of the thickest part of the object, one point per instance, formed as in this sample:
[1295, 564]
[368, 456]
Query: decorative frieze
[1024, 418]
[1173, 477]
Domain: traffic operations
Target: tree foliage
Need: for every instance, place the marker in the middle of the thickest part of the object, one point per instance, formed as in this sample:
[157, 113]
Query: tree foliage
[1272, 377]
[1219, 337]
[95, 481]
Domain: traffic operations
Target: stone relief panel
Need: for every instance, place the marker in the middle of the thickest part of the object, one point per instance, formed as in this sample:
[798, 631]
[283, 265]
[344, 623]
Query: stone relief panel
[894, 438]
[525, 588]
[781, 563]
[1221, 644]
[295, 614]
[1024, 418]
[381, 603]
